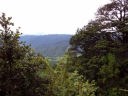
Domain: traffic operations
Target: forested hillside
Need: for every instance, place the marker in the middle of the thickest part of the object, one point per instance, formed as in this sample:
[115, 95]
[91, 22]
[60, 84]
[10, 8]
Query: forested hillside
[96, 64]
[25, 73]
[48, 45]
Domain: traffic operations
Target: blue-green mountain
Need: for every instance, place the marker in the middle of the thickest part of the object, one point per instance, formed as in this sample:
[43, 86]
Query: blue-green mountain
[48, 45]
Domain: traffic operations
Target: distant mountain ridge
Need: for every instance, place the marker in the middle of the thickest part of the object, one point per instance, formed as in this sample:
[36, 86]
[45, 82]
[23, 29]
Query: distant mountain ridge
[48, 45]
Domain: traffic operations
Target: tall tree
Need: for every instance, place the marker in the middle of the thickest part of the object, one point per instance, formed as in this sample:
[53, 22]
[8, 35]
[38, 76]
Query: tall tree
[101, 48]
[18, 64]
[114, 16]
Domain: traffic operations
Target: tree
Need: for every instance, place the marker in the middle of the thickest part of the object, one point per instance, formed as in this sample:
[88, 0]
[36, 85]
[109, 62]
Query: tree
[19, 65]
[114, 18]
[101, 48]
[65, 83]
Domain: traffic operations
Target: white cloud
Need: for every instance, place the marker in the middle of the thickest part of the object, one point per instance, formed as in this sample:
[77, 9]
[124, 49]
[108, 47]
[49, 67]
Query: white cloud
[50, 16]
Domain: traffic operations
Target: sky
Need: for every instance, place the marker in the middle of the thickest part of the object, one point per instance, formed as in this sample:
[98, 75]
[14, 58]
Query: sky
[39, 17]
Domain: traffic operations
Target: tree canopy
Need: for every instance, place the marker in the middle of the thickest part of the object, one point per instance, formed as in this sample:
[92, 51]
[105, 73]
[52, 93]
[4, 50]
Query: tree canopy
[96, 64]
[18, 64]
[25, 73]
[101, 48]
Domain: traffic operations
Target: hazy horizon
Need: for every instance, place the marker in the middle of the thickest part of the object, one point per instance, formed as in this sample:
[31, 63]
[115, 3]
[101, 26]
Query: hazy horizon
[44, 34]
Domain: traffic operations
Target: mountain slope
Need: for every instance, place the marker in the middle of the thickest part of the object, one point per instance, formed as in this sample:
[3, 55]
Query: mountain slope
[48, 45]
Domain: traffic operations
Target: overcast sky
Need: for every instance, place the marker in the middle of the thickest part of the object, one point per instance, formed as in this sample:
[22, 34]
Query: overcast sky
[50, 16]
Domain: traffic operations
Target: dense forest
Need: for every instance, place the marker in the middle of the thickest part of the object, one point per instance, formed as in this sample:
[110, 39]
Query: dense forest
[52, 45]
[96, 63]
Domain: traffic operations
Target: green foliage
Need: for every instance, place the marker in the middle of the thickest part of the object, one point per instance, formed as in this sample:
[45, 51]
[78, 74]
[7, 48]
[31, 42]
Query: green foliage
[98, 56]
[103, 49]
[111, 68]
[65, 83]
[18, 64]
[24, 73]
